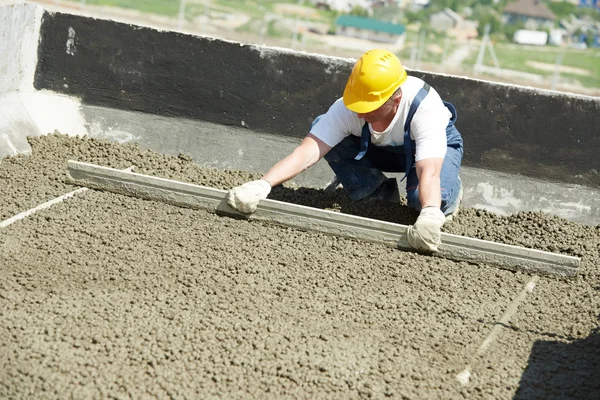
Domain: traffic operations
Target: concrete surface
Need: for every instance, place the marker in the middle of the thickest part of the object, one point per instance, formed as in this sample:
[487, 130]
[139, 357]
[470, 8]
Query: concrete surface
[453, 247]
[105, 296]
[226, 147]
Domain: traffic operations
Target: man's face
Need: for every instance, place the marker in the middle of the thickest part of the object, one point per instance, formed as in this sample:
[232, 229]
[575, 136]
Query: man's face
[385, 112]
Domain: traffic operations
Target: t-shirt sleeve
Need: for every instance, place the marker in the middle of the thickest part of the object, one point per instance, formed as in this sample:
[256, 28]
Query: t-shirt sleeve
[428, 128]
[337, 123]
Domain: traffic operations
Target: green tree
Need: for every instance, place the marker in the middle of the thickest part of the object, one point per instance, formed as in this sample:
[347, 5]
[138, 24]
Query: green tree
[562, 9]
[416, 16]
[359, 11]
[486, 16]
[510, 29]
[388, 14]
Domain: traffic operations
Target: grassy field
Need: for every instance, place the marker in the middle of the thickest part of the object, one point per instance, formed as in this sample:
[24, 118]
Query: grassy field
[520, 58]
[257, 9]
[164, 7]
[265, 15]
[434, 47]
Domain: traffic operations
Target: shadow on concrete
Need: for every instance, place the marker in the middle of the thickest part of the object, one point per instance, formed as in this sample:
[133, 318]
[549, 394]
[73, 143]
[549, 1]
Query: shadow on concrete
[558, 370]
[397, 213]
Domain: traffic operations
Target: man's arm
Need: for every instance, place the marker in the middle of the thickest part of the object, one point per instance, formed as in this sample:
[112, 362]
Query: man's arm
[245, 198]
[311, 150]
[425, 233]
[428, 172]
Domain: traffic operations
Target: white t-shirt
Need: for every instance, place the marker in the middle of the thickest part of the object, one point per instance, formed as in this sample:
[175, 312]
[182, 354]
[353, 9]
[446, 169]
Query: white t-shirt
[427, 129]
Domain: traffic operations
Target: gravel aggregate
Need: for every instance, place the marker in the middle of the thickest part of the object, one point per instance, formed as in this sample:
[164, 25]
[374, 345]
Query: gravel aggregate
[108, 296]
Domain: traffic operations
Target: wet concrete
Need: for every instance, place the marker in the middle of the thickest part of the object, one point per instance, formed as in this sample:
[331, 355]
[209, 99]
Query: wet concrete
[109, 296]
[236, 147]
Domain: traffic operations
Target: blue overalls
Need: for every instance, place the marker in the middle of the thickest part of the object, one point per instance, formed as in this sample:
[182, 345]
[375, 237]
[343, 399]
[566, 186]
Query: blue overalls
[359, 166]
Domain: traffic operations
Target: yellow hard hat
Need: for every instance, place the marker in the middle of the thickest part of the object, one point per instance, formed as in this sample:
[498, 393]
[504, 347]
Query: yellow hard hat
[375, 77]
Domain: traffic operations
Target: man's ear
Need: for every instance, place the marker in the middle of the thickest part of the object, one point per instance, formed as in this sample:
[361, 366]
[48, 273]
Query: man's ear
[399, 98]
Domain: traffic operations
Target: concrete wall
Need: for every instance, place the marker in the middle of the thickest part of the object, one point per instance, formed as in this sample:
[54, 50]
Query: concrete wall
[525, 131]
[19, 30]
[22, 108]
[171, 74]
[506, 128]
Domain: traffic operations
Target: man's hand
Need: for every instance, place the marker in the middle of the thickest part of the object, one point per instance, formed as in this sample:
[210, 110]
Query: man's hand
[245, 198]
[425, 234]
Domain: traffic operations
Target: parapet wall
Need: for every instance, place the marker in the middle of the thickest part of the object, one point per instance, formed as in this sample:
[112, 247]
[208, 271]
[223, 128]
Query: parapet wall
[506, 128]
[25, 111]
[172, 74]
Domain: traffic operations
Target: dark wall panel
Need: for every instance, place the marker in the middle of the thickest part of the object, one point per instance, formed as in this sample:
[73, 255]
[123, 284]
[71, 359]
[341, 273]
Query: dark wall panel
[129, 67]
[506, 128]
[526, 131]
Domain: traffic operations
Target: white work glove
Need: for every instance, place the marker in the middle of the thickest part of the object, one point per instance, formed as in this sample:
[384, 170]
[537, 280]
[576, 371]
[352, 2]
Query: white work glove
[245, 198]
[426, 233]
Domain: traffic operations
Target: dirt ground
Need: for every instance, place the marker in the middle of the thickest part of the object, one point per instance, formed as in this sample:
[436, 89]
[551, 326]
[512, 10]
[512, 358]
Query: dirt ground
[106, 296]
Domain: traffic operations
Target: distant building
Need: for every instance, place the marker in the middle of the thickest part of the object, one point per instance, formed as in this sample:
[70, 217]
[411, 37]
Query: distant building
[370, 29]
[342, 5]
[534, 38]
[453, 24]
[533, 13]
[416, 5]
[579, 29]
[444, 20]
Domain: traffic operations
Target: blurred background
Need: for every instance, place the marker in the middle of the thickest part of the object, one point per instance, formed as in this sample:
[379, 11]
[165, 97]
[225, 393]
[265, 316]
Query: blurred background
[549, 44]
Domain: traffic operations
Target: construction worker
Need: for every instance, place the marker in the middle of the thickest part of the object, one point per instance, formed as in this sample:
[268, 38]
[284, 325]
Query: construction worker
[386, 121]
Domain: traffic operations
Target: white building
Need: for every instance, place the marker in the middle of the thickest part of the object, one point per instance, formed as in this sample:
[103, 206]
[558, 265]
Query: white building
[343, 5]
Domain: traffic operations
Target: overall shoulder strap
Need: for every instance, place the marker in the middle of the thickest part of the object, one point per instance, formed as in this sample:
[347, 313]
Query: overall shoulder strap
[408, 143]
[365, 140]
[415, 105]
[365, 137]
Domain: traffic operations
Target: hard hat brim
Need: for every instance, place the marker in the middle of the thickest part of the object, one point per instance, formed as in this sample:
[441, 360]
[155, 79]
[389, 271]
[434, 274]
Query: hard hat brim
[355, 104]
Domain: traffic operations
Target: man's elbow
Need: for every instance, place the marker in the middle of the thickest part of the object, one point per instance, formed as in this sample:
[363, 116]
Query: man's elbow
[312, 159]
[429, 168]
[305, 157]
[311, 150]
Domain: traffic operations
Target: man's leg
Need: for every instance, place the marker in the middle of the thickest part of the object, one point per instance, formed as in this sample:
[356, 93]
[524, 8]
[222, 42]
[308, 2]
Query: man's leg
[449, 181]
[361, 178]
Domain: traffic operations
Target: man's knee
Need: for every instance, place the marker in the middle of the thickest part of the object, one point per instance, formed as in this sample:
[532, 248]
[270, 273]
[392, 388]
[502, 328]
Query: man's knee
[332, 156]
[447, 195]
[451, 196]
[346, 149]
[412, 199]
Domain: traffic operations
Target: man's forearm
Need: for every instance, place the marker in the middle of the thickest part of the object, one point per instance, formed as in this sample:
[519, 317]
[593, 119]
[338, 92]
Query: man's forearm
[430, 193]
[304, 156]
[428, 172]
[286, 169]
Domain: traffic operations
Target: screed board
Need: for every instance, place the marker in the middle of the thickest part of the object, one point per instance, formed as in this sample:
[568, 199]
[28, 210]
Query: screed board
[454, 247]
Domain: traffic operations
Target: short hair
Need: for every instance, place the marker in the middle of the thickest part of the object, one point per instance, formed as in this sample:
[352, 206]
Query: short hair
[394, 96]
